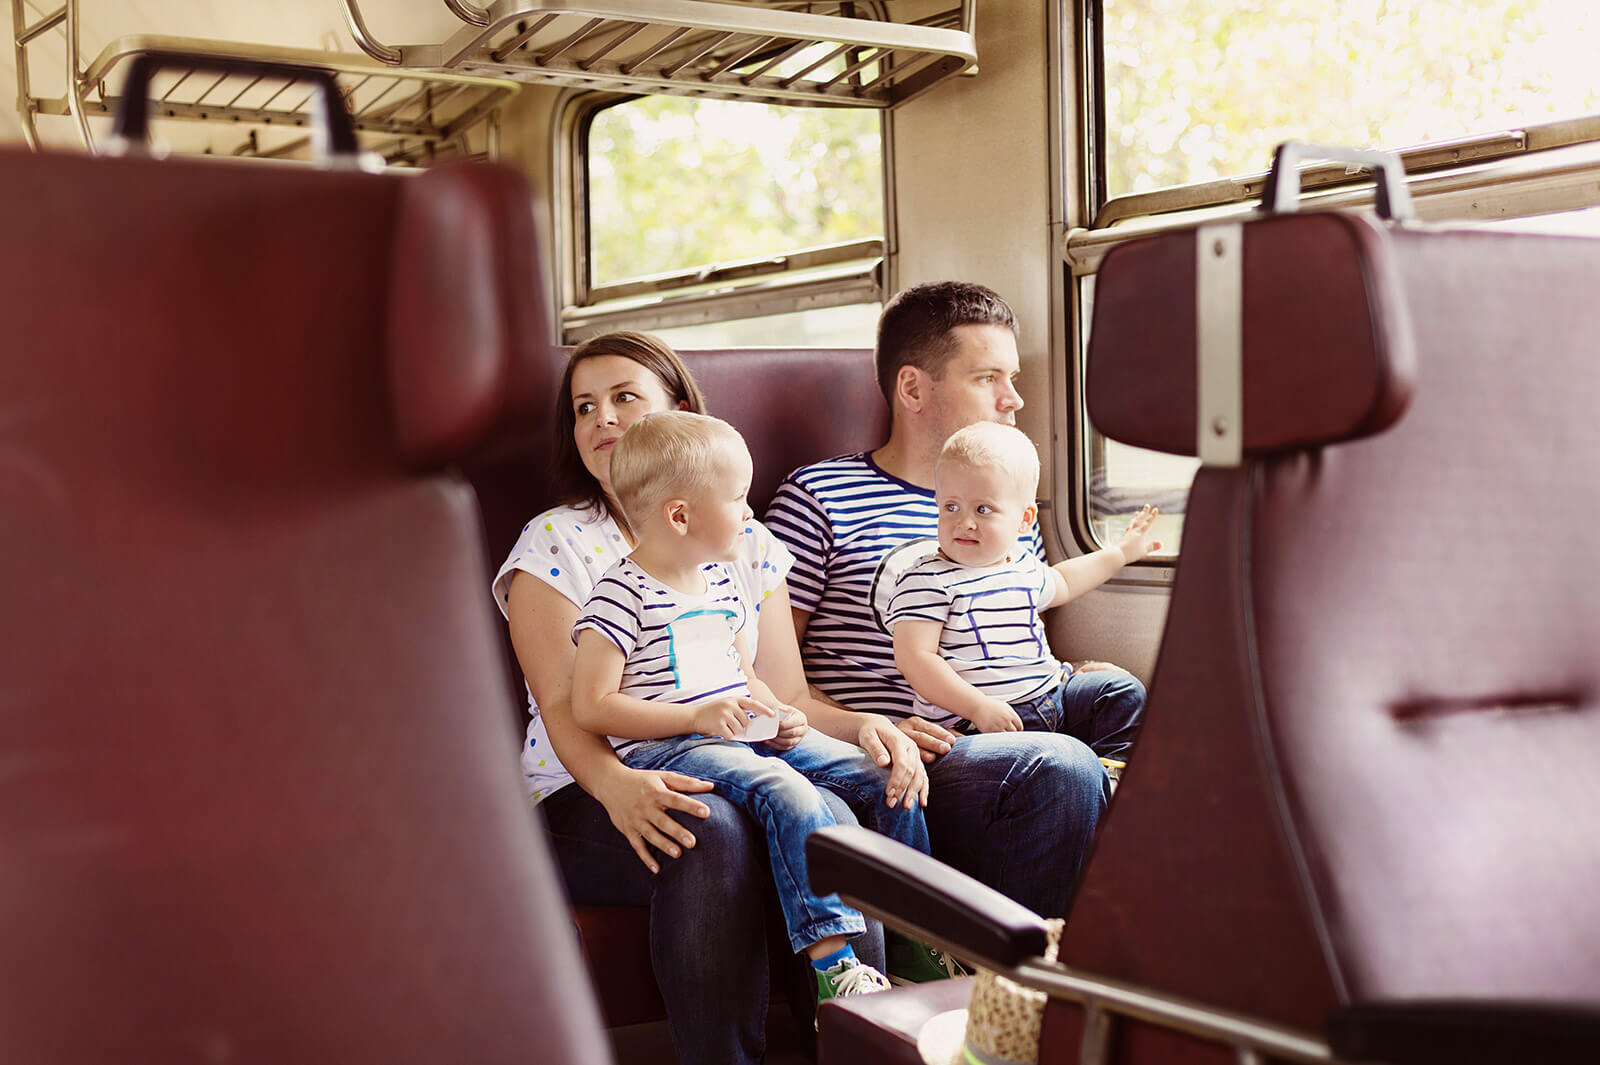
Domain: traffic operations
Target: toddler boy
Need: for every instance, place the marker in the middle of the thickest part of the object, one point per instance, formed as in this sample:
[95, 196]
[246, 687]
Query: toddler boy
[663, 669]
[968, 635]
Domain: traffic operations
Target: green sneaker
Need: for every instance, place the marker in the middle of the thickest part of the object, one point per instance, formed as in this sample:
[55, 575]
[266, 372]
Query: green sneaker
[848, 978]
[911, 962]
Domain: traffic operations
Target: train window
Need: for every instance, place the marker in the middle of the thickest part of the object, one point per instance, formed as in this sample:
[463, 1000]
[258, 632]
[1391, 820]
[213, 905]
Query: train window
[1490, 106]
[1196, 90]
[699, 213]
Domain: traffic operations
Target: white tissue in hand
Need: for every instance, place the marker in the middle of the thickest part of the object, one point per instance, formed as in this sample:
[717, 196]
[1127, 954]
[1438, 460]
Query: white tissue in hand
[761, 727]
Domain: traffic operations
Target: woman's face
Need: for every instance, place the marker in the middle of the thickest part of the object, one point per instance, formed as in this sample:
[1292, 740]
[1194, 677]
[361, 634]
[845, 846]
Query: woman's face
[610, 393]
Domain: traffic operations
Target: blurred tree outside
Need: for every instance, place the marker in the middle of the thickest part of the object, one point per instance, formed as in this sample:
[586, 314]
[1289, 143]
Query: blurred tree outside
[676, 183]
[1197, 90]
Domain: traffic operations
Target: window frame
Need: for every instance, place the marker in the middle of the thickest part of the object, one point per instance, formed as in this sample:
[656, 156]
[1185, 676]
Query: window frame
[796, 279]
[1495, 174]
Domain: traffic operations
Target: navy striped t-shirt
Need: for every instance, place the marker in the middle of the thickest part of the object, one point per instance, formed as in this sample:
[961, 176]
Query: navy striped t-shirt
[678, 648]
[853, 529]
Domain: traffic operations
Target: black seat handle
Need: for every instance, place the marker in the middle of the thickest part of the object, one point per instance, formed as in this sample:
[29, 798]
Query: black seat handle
[1281, 193]
[334, 132]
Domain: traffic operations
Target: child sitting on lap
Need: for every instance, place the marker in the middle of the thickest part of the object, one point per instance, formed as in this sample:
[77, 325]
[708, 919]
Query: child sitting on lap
[663, 668]
[966, 621]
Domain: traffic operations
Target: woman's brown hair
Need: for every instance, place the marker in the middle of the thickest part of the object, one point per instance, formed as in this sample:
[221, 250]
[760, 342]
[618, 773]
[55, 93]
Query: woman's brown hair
[574, 485]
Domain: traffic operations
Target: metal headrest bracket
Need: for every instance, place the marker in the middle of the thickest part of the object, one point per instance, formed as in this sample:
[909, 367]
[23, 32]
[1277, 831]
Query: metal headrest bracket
[1219, 333]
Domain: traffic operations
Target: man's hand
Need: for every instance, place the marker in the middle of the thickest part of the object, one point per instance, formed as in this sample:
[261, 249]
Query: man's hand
[728, 716]
[637, 801]
[932, 740]
[792, 725]
[1136, 542]
[993, 715]
[890, 747]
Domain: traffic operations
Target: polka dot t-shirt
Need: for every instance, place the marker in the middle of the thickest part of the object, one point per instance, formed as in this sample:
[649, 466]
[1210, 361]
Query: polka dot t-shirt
[570, 551]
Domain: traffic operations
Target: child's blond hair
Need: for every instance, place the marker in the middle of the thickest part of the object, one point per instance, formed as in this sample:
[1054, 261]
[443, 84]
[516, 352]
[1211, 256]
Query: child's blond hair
[668, 455]
[985, 445]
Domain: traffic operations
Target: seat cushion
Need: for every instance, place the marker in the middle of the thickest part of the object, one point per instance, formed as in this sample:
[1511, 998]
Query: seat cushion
[883, 1028]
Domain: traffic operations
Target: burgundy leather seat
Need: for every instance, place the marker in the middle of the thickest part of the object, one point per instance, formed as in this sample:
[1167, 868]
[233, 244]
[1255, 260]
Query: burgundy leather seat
[1362, 784]
[260, 801]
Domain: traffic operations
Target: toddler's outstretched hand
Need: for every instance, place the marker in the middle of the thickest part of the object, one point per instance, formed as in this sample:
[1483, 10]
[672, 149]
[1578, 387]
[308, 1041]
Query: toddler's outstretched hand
[1136, 542]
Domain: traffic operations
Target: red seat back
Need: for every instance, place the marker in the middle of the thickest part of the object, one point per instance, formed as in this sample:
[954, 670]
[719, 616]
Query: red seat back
[261, 802]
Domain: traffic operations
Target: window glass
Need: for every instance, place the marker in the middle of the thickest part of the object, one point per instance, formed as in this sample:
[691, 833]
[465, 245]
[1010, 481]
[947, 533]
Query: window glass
[1197, 90]
[677, 183]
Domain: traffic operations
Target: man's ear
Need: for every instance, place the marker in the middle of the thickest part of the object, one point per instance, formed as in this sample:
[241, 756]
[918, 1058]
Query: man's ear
[910, 388]
[676, 512]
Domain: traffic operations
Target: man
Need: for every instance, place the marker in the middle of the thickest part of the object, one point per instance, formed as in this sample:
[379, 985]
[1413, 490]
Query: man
[1016, 809]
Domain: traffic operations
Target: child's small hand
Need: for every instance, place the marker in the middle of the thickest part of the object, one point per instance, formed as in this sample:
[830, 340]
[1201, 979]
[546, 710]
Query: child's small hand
[995, 716]
[792, 726]
[1136, 542]
[728, 716]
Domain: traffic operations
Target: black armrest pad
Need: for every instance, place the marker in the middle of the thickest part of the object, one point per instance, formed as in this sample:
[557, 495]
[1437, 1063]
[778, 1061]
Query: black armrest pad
[1463, 1032]
[922, 896]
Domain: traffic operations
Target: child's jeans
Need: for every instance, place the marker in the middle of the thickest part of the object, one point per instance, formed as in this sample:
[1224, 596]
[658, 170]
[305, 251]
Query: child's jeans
[772, 787]
[1102, 708]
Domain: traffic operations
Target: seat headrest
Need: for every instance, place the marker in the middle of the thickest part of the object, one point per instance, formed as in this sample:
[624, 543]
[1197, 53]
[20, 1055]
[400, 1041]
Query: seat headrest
[1327, 353]
[467, 310]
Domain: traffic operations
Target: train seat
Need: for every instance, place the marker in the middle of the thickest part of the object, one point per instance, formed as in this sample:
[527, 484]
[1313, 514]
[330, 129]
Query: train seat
[260, 804]
[1357, 814]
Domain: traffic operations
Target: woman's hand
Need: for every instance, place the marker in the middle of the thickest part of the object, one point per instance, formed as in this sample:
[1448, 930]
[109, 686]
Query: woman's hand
[889, 746]
[637, 801]
[933, 740]
[792, 726]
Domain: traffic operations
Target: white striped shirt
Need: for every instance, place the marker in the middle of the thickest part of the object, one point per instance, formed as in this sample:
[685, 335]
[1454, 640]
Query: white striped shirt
[679, 648]
[993, 635]
[853, 529]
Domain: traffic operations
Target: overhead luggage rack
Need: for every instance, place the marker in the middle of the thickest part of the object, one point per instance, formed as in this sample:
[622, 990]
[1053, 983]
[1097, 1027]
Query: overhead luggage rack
[409, 117]
[824, 54]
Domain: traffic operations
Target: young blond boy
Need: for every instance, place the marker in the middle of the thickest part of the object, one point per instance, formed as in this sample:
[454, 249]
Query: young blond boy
[966, 622]
[663, 669]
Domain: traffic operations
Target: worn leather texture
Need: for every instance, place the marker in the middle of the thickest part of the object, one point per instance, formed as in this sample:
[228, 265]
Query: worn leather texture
[260, 803]
[883, 1027]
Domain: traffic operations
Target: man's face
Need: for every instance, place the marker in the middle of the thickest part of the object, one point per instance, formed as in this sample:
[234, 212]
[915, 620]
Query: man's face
[978, 384]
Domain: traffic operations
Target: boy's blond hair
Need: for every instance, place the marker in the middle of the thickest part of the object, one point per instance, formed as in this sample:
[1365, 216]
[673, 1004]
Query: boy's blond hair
[668, 455]
[985, 445]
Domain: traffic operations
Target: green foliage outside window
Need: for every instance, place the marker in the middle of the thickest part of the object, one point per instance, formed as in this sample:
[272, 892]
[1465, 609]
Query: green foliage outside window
[1197, 90]
[676, 183]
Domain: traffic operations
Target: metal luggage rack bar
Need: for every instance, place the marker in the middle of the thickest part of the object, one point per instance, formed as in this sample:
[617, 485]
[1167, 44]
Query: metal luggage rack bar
[785, 52]
[410, 117]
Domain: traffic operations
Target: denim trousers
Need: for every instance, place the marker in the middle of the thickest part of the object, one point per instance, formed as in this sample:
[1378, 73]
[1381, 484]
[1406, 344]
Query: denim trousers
[1017, 811]
[709, 909]
[776, 789]
[1102, 708]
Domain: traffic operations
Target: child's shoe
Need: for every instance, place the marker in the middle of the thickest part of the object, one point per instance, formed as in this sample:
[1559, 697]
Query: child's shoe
[849, 977]
[911, 962]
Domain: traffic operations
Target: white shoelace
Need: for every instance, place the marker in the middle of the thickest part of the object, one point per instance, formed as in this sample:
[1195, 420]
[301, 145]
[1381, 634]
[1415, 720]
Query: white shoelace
[860, 980]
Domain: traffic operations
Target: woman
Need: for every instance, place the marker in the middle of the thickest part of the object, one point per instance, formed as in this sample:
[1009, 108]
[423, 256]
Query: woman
[621, 835]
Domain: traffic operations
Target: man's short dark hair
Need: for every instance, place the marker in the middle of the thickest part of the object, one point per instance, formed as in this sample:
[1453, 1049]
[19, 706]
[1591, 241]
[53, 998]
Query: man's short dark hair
[916, 327]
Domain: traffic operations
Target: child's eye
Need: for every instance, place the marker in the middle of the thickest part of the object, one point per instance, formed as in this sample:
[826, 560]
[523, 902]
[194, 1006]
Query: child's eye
[984, 508]
[950, 508]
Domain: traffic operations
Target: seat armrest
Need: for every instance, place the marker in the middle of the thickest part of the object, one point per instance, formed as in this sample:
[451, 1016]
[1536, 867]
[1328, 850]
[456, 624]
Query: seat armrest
[1465, 1032]
[923, 897]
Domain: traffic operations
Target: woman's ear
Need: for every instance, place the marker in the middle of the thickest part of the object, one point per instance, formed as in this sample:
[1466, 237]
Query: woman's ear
[909, 386]
[683, 404]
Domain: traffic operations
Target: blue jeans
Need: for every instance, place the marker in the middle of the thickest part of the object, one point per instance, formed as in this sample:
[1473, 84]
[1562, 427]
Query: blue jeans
[773, 788]
[1017, 810]
[1102, 708]
[718, 892]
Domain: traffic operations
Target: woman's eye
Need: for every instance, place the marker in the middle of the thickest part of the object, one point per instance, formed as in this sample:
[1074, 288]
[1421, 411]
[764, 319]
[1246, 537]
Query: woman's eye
[626, 397]
[584, 408]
